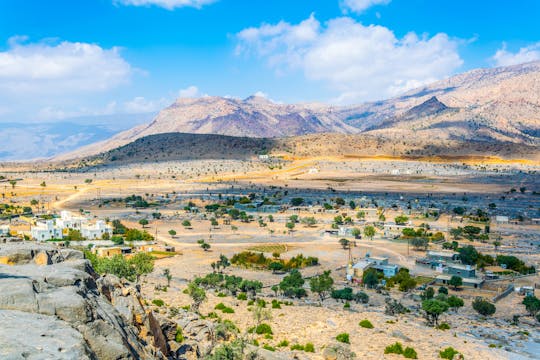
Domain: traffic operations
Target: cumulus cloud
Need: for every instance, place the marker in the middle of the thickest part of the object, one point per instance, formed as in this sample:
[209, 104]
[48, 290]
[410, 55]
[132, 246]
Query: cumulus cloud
[503, 57]
[359, 6]
[359, 62]
[52, 67]
[190, 92]
[166, 4]
[142, 105]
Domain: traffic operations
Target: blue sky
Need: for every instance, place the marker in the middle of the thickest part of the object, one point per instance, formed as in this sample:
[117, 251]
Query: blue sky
[61, 59]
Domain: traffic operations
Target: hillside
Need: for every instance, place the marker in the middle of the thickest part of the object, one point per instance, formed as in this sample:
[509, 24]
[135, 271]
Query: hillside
[499, 105]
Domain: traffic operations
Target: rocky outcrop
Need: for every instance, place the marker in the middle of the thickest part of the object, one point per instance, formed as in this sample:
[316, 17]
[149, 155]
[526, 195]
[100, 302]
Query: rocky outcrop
[54, 306]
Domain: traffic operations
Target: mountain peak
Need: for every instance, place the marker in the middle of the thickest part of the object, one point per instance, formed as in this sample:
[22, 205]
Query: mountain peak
[432, 106]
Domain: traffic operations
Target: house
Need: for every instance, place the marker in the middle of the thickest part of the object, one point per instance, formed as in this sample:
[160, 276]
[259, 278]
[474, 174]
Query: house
[4, 230]
[69, 222]
[502, 219]
[444, 279]
[146, 248]
[264, 157]
[108, 251]
[96, 231]
[46, 230]
[466, 272]
[379, 263]
[442, 256]
[313, 171]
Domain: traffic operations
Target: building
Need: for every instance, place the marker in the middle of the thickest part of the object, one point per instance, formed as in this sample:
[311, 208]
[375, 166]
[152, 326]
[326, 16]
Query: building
[264, 157]
[442, 256]
[108, 251]
[46, 230]
[69, 222]
[502, 219]
[96, 231]
[4, 230]
[466, 272]
[379, 263]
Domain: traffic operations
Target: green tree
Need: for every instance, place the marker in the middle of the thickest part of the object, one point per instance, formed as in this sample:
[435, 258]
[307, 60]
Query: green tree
[369, 231]
[186, 223]
[483, 307]
[401, 219]
[197, 295]
[143, 222]
[172, 233]
[370, 278]
[276, 266]
[309, 221]
[344, 243]
[356, 232]
[456, 232]
[143, 263]
[322, 284]
[290, 226]
[433, 309]
[420, 243]
[292, 284]
[361, 215]
[455, 281]
[168, 276]
[13, 183]
[532, 305]
[455, 302]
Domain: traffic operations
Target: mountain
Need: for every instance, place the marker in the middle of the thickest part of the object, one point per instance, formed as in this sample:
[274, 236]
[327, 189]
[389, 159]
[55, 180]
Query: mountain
[24, 141]
[497, 105]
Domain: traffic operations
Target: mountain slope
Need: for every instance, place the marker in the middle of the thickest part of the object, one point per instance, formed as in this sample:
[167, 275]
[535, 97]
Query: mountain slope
[499, 105]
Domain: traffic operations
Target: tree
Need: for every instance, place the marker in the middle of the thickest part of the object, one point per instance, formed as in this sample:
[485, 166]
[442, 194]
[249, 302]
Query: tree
[532, 305]
[275, 266]
[143, 222]
[344, 243]
[420, 243]
[455, 302]
[356, 233]
[322, 284]
[186, 223]
[433, 309]
[483, 307]
[292, 284]
[309, 221]
[468, 255]
[401, 219]
[455, 281]
[143, 264]
[13, 183]
[370, 278]
[297, 201]
[429, 293]
[172, 232]
[352, 205]
[290, 226]
[369, 231]
[205, 246]
[197, 294]
[168, 276]
[43, 184]
[361, 215]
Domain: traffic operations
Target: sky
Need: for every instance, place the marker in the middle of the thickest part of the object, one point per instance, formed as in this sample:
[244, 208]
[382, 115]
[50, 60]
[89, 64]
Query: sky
[62, 58]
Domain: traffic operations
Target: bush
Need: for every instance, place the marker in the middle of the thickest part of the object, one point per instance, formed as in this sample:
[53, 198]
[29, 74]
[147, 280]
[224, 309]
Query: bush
[448, 353]
[366, 324]
[344, 338]
[309, 348]
[483, 307]
[269, 348]
[227, 310]
[242, 296]
[443, 290]
[158, 302]
[297, 347]
[179, 337]
[263, 329]
[410, 353]
[443, 326]
[396, 348]
[283, 343]
[220, 306]
[276, 304]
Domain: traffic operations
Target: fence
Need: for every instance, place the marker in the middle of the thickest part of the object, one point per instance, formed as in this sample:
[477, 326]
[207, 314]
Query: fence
[504, 294]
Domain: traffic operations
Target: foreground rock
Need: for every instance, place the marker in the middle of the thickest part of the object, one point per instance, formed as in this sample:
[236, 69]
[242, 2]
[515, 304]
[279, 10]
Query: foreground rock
[54, 306]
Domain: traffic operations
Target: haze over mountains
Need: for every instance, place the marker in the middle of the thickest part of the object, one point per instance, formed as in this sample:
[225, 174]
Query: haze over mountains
[494, 106]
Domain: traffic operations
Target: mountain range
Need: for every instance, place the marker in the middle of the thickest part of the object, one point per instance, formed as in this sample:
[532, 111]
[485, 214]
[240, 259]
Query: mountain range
[490, 106]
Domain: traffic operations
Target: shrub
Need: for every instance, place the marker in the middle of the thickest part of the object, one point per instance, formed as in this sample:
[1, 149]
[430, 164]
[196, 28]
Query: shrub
[443, 326]
[297, 347]
[269, 348]
[220, 306]
[410, 353]
[366, 324]
[179, 337]
[276, 304]
[396, 348]
[309, 348]
[158, 302]
[448, 353]
[347, 305]
[344, 338]
[242, 296]
[283, 343]
[483, 307]
[263, 329]
[227, 310]
[221, 295]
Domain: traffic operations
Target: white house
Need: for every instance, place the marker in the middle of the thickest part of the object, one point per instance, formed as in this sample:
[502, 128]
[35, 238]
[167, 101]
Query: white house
[46, 230]
[4, 230]
[96, 231]
[68, 221]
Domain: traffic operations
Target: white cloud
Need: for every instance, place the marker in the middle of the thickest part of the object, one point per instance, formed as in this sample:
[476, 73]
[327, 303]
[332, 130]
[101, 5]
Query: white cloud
[166, 4]
[529, 53]
[190, 92]
[359, 6]
[359, 62]
[143, 105]
[60, 67]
